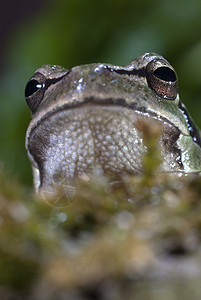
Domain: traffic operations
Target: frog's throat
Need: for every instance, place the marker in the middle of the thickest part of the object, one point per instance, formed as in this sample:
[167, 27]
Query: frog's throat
[71, 141]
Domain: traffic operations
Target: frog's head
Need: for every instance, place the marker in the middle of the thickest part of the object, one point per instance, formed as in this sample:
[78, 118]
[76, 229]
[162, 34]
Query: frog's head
[87, 117]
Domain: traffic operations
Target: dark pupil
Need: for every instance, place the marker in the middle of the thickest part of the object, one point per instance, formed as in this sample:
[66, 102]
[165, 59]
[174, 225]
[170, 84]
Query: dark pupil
[31, 87]
[165, 73]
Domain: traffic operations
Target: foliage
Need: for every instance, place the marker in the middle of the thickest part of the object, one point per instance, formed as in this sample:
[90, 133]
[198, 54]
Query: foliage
[140, 239]
[137, 239]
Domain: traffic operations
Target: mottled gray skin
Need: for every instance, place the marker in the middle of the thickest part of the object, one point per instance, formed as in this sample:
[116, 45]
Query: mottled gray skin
[87, 122]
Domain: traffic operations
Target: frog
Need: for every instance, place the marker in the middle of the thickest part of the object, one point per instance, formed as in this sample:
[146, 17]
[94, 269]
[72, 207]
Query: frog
[85, 121]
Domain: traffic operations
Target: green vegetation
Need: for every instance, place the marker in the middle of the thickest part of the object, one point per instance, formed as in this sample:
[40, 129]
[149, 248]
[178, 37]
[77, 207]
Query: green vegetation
[135, 240]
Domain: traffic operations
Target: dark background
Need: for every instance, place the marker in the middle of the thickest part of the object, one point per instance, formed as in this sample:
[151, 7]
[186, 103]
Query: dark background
[73, 32]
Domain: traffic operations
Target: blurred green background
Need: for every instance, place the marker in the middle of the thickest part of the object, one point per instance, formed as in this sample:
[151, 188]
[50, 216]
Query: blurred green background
[73, 32]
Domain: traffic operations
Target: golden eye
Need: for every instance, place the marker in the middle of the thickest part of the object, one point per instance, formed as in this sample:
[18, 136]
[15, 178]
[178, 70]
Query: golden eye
[162, 79]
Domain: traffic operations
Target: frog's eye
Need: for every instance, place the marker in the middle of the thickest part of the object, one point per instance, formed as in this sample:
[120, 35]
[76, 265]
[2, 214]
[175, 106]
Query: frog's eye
[32, 87]
[34, 91]
[165, 74]
[162, 79]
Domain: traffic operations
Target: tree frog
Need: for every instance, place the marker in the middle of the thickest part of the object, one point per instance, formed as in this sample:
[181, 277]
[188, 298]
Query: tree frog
[86, 119]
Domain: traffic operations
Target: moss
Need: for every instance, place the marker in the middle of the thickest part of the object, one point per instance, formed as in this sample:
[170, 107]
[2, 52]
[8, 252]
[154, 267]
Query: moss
[135, 240]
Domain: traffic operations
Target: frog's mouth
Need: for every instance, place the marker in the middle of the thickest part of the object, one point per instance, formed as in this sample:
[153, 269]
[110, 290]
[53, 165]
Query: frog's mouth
[73, 141]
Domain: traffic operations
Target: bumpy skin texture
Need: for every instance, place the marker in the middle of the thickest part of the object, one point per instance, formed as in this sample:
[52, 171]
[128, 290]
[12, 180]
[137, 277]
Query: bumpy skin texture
[87, 120]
